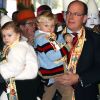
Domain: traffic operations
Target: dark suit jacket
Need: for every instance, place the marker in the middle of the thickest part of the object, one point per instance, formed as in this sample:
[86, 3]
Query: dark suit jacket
[88, 68]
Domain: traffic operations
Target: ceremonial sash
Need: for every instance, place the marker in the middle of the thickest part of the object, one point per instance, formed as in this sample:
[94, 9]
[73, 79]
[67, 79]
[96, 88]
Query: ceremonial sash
[11, 86]
[75, 53]
[11, 89]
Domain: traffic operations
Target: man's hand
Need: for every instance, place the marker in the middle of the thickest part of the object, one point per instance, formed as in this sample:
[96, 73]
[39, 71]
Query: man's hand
[67, 79]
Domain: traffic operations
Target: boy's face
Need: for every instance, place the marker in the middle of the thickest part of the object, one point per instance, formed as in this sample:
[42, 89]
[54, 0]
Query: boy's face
[47, 26]
[9, 36]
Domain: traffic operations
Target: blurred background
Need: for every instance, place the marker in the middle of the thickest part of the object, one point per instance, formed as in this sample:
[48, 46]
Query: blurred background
[56, 5]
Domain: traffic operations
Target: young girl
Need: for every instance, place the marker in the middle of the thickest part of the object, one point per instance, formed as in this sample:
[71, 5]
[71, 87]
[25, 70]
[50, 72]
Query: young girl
[19, 63]
[52, 56]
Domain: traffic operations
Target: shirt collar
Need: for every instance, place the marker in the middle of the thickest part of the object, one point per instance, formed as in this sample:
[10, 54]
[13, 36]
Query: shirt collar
[69, 31]
[47, 33]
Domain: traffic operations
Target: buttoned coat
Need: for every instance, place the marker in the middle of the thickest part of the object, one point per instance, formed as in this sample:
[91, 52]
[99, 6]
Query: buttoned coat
[88, 68]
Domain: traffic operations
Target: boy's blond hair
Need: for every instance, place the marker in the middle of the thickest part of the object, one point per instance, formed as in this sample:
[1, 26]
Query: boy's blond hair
[46, 15]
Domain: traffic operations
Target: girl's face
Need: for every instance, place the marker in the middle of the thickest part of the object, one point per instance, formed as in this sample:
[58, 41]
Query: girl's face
[92, 20]
[47, 26]
[9, 36]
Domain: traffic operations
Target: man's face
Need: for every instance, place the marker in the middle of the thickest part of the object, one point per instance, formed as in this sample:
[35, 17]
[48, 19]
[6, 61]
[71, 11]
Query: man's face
[29, 28]
[75, 16]
[31, 25]
[92, 20]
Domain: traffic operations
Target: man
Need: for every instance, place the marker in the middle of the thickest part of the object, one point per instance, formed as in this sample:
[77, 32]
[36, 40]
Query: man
[84, 64]
[27, 22]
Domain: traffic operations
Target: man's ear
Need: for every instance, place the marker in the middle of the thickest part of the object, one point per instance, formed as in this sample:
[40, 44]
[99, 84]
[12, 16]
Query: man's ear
[85, 19]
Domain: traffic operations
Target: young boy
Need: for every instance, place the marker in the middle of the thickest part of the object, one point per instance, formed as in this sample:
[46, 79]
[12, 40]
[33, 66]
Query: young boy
[52, 57]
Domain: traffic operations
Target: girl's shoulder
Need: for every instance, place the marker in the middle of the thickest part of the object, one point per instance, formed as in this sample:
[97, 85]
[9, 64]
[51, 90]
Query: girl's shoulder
[21, 45]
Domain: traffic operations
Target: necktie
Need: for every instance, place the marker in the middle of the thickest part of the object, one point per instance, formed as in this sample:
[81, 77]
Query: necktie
[75, 38]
